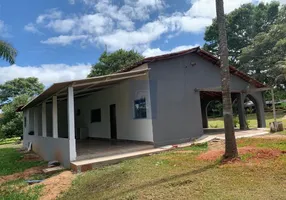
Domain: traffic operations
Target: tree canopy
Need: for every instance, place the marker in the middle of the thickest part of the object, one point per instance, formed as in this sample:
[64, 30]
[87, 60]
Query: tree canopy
[111, 62]
[11, 122]
[7, 52]
[256, 41]
[13, 94]
[243, 24]
[16, 87]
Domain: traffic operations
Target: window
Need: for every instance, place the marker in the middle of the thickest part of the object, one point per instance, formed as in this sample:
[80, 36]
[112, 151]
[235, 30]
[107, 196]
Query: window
[95, 115]
[140, 108]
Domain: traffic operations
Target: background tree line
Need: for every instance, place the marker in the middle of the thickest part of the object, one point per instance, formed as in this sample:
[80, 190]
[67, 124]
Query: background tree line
[256, 42]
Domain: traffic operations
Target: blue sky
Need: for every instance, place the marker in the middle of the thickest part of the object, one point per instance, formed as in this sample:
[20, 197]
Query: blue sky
[58, 40]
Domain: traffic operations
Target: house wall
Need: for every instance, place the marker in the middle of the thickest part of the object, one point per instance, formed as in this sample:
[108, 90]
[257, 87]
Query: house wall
[176, 107]
[47, 147]
[123, 95]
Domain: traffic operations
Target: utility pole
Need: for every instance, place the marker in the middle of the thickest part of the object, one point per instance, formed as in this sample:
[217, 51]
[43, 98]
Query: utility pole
[230, 142]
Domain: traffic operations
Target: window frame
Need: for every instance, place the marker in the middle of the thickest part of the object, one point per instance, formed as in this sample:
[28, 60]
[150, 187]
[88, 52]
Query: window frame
[142, 111]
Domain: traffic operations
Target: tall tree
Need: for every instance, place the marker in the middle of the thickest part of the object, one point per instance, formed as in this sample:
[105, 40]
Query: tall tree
[230, 142]
[7, 52]
[112, 62]
[265, 57]
[16, 87]
[11, 122]
[242, 25]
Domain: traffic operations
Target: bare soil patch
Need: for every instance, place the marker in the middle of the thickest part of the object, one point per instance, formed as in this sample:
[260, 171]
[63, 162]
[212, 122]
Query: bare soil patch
[56, 185]
[216, 144]
[272, 136]
[253, 152]
[31, 157]
[25, 174]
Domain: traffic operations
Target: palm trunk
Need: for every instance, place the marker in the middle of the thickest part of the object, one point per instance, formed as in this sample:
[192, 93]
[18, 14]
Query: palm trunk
[230, 142]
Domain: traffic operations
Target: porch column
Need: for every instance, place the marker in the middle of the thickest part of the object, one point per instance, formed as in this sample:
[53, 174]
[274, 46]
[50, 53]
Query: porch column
[36, 123]
[71, 124]
[28, 121]
[44, 119]
[241, 112]
[55, 117]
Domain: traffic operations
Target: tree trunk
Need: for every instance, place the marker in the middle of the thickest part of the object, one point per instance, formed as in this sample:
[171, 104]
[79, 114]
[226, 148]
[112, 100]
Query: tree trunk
[230, 142]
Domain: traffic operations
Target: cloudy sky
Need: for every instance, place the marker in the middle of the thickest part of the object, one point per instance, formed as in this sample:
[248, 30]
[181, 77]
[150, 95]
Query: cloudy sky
[58, 40]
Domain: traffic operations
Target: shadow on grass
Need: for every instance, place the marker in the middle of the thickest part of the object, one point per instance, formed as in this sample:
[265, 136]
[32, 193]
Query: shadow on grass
[162, 180]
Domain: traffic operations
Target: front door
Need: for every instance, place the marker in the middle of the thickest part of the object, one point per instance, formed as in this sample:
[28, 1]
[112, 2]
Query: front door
[112, 114]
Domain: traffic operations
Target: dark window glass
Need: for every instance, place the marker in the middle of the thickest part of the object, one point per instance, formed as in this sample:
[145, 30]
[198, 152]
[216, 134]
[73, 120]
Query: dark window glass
[25, 122]
[95, 115]
[140, 108]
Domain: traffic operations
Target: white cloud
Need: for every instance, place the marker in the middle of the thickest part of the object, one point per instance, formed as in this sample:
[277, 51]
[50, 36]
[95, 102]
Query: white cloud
[133, 39]
[62, 26]
[32, 28]
[124, 26]
[72, 2]
[64, 39]
[50, 14]
[47, 73]
[157, 51]
[93, 24]
[4, 29]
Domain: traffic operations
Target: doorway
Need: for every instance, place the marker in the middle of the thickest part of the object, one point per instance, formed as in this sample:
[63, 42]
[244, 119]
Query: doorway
[113, 128]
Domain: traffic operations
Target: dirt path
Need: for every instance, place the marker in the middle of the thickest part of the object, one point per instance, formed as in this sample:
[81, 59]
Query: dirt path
[26, 174]
[56, 185]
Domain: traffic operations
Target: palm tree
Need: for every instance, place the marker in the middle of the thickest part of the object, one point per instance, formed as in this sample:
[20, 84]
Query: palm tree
[230, 142]
[7, 52]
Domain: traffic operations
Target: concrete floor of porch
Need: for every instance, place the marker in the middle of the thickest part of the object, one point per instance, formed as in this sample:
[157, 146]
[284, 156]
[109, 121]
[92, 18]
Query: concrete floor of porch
[96, 148]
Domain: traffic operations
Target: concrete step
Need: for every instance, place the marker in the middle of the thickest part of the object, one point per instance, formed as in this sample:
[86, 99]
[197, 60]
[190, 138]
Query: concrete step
[89, 164]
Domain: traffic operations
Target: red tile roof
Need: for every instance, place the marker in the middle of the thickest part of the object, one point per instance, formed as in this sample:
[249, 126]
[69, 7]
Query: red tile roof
[202, 53]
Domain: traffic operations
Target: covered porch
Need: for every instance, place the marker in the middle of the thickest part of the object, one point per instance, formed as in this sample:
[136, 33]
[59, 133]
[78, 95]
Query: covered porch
[63, 124]
[96, 148]
[211, 108]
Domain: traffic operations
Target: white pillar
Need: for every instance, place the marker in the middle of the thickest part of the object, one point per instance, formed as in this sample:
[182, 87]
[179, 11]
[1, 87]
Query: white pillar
[55, 117]
[44, 119]
[36, 126]
[71, 124]
[28, 121]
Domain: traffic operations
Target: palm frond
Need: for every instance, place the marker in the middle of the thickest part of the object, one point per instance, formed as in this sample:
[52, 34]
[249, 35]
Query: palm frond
[7, 52]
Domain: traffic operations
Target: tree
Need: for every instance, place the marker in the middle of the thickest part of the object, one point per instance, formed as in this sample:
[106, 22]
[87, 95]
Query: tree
[7, 52]
[243, 24]
[265, 57]
[230, 142]
[112, 62]
[11, 89]
[11, 122]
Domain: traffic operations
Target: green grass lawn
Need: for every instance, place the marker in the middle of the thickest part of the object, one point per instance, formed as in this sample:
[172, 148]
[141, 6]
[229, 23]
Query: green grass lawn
[19, 190]
[10, 161]
[251, 118]
[180, 175]
[9, 140]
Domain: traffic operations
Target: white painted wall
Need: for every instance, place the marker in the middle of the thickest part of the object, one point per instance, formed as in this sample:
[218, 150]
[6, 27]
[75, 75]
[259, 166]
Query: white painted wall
[123, 95]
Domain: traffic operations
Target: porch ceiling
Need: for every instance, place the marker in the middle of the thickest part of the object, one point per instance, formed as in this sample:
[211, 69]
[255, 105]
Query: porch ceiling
[84, 86]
